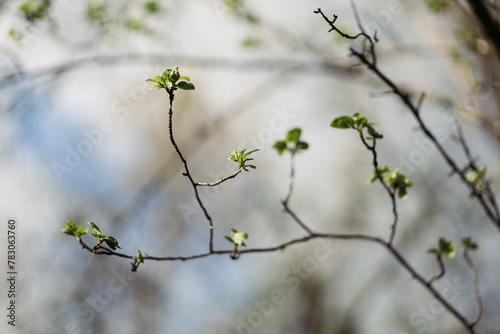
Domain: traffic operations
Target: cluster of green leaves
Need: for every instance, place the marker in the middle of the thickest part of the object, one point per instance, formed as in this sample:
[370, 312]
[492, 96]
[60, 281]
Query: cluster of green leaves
[109, 240]
[237, 238]
[171, 80]
[78, 231]
[447, 248]
[444, 248]
[242, 158]
[139, 258]
[34, 10]
[74, 230]
[437, 6]
[356, 122]
[395, 180]
[469, 244]
[292, 142]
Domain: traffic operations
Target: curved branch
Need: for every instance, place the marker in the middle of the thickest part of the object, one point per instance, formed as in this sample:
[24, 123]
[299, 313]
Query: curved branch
[286, 207]
[336, 236]
[389, 190]
[442, 269]
[187, 173]
[473, 274]
[203, 184]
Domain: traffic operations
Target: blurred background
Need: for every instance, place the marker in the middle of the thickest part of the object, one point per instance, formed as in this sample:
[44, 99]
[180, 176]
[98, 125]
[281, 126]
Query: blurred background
[84, 139]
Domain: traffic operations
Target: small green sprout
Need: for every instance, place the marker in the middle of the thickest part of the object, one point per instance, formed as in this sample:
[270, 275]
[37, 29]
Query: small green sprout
[74, 230]
[238, 238]
[469, 244]
[292, 142]
[356, 122]
[395, 180]
[137, 261]
[171, 80]
[242, 158]
[444, 248]
[140, 258]
[109, 240]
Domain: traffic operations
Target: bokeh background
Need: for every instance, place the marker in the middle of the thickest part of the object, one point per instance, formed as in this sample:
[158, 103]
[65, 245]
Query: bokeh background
[75, 68]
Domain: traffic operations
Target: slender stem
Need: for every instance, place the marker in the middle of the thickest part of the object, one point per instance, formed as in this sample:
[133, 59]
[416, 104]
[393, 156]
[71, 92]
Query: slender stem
[187, 173]
[286, 207]
[442, 269]
[292, 179]
[473, 274]
[389, 190]
[334, 28]
[296, 218]
[219, 181]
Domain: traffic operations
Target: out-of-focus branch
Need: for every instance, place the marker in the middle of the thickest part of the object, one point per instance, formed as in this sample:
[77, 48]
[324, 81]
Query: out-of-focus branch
[442, 269]
[269, 65]
[473, 274]
[490, 26]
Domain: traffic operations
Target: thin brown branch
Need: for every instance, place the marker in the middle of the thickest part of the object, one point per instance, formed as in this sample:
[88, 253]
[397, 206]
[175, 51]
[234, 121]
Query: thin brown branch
[461, 318]
[405, 98]
[335, 236]
[389, 190]
[187, 173]
[334, 28]
[202, 184]
[292, 180]
[486, 187]
[442, 269]
[292, 214]
[473, 274]
[286, 207]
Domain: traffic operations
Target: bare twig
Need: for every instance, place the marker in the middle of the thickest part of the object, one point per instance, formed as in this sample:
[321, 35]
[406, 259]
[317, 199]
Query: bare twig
[292, 179]
[292, 214]
[219, 181]
[473, 274]
[286, 207]
[187, 173]
[442, 269]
